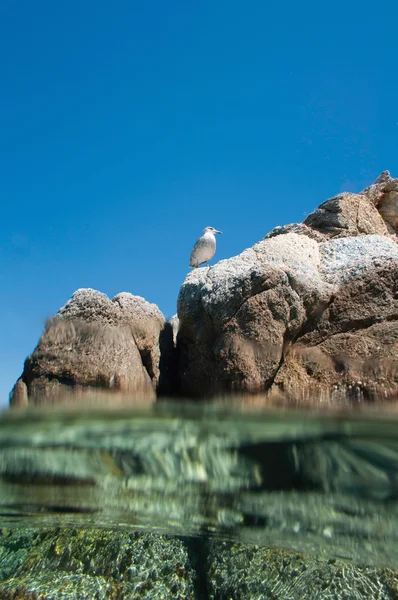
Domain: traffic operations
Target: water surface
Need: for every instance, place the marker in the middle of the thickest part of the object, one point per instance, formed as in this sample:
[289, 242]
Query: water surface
[320, 483]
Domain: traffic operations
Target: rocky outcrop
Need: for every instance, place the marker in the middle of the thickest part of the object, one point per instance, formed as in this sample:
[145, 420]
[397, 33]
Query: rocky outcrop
[95, 346]
[53, 564]
[347, 215]
[312, 304]
[237, 317]
[383, 194]
[373, 211]
[355, 340]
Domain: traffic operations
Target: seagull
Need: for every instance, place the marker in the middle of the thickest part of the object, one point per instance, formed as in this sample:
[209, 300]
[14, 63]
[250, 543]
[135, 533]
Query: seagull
[205, 248]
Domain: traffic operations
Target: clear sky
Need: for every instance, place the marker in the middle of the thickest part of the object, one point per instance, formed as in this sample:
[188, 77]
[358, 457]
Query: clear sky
[127, 127]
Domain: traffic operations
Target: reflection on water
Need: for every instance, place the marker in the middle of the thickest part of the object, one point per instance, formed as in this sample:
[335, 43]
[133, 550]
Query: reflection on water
[300, 481]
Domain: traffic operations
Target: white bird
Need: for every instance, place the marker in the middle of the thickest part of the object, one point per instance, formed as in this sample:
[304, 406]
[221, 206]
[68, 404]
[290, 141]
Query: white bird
[205, 248]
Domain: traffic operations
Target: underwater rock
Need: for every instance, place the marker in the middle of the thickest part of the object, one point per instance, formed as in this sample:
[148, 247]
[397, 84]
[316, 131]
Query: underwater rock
[96, 563]
[246, 571]
[83, 564]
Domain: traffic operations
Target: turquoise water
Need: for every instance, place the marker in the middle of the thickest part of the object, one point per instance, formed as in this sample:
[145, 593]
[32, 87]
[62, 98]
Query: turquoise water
[320, 484]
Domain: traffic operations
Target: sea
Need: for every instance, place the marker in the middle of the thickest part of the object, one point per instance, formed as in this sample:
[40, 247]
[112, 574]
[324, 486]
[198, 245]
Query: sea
[316, 486]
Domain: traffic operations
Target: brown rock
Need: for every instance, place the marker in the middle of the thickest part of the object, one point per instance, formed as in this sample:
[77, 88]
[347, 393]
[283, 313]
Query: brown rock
[314, 306]
[92, 346]
[383, 194]
[146, 323]
[19, 394]
[355, 342]
[300, 229]
[347, 215]
[237, 317]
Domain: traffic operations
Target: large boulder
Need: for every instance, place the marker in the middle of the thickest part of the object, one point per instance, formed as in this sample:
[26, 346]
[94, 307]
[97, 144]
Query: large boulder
[237, 317]
[312, 304]
[95, 346]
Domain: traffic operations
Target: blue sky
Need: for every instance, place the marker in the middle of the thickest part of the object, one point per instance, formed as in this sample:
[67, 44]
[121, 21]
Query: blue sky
[127, 127]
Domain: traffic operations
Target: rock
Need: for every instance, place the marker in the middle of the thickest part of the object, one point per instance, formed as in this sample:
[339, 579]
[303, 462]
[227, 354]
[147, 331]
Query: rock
[237, 317]
[146, 323]
[95, 346]
[168, 383]
[313, 305]
[383, 193]
[175, 324]
[93, 563]
[373, 211]
[300, 229]
[345, 261]
[306, 306]
[360, 468]
[247, 571]
[54, 563]
[347, 215]
[355, 340]
[19, 394]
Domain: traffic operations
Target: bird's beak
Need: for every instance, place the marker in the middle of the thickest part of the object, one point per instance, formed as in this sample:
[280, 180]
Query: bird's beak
[218, 231]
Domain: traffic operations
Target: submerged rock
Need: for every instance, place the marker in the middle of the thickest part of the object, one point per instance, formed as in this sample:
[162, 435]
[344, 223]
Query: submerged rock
[245, 572]
[94, 563]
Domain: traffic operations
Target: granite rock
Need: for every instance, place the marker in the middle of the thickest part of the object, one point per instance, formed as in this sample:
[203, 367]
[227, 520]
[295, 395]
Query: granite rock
[94, 347]
[312, 304]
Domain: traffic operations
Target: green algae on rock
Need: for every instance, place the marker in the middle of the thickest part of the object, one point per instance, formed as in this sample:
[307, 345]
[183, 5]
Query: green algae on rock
[246, 572]
[93, 564]
[102, 564]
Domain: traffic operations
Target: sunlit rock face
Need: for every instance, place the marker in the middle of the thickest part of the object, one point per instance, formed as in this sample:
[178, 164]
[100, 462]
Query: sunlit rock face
[95, 346]
[312, 304]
